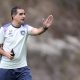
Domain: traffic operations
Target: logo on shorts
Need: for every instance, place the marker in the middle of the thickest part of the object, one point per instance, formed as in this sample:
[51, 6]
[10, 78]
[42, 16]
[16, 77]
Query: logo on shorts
[22, 32]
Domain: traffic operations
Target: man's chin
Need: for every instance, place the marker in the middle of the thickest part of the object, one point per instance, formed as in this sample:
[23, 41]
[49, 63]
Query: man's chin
[22, 22]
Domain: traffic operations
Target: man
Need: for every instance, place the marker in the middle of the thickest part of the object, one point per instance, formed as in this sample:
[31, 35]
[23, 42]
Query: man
[13, 37]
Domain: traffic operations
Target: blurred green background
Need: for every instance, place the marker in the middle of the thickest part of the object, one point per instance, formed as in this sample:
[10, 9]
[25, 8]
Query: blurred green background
[54, 55]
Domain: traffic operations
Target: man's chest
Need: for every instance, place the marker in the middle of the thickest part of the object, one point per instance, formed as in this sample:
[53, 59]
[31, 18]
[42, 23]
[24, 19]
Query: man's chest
[13, 35]
[15, 32]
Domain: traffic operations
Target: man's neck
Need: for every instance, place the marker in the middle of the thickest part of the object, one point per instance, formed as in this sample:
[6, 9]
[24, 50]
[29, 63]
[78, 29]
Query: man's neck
[15, 24]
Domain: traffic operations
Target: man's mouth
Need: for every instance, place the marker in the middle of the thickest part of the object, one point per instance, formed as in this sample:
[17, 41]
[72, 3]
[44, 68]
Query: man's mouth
[22, 19]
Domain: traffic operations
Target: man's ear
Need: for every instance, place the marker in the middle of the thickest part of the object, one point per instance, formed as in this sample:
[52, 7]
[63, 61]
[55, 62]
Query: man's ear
[13, 16]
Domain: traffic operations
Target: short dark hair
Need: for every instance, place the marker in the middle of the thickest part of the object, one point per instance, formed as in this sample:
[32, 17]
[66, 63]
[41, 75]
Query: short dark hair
[14, 10]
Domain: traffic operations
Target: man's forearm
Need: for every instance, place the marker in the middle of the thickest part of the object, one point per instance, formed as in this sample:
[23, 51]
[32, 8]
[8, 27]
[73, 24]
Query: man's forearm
[38, 31]
[7, 54]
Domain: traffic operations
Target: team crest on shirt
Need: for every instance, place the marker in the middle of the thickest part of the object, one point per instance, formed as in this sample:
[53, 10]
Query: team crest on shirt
[22, 32]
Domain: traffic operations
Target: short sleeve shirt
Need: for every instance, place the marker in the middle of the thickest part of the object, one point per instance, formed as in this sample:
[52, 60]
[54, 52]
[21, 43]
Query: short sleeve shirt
[16, 39]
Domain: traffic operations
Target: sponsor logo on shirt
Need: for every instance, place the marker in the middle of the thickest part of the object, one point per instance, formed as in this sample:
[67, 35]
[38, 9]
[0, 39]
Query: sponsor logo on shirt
[10, 33]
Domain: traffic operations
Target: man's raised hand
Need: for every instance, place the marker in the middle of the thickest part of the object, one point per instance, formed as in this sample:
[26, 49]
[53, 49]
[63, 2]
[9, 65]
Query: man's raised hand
[47, 22]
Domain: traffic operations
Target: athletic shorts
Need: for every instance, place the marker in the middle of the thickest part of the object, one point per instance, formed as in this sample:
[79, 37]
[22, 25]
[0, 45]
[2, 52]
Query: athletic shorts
[23, 73]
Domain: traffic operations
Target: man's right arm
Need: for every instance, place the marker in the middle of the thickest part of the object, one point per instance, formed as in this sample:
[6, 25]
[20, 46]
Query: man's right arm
[3, 53]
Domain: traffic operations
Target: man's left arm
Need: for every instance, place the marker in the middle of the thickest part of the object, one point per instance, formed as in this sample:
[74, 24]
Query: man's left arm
[46, 24]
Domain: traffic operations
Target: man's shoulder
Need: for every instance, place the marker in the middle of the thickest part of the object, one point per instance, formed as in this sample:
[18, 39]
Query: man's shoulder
[5, 26]
[25, 25]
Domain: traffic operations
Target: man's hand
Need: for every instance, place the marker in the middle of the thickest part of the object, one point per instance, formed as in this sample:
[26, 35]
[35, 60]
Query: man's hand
[4, 53]
[8, 55]
[47, 22]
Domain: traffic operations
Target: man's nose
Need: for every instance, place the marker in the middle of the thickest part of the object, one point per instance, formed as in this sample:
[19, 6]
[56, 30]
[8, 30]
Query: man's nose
[24, 16]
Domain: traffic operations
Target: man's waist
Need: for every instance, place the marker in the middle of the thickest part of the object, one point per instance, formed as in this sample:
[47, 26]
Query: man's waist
[12, 64]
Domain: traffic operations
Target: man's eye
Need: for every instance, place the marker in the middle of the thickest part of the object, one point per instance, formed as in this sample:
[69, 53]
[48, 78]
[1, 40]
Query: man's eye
[22, 14]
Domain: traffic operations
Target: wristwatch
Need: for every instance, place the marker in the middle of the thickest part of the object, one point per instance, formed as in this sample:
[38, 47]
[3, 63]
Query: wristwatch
[45, 28]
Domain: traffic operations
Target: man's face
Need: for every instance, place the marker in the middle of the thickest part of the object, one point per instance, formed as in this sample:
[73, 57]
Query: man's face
[20, 16]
